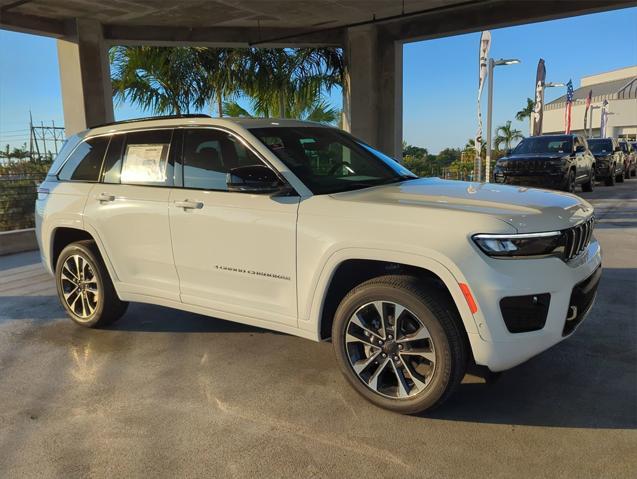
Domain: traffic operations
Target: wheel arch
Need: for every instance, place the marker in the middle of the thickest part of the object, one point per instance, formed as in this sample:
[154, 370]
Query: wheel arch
[348, 268]
[62, 236]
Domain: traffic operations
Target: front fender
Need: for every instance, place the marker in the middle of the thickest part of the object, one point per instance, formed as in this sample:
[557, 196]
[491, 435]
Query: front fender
[449, 274]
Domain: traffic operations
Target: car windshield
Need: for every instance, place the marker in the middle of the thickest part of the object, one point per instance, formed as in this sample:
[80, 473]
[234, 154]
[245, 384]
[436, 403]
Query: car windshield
[600, 146]
[328, 160]
[544, 144]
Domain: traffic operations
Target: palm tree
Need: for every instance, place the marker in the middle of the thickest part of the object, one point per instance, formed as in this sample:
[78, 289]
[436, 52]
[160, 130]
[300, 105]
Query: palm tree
[281, 82]
[507, 135]
[526, 112]
[320, 111]
[162, 80]
[285, 82]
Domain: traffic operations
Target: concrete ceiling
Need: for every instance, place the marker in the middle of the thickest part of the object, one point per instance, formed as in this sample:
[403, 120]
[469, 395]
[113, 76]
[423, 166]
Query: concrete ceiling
[236, 22]
[227, 13]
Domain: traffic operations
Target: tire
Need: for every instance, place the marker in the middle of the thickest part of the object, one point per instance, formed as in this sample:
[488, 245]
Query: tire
[570, 182]
[627, 174]
[620, 177]
[429, 325]
[80, 275]
[590, 184]
[610, 180]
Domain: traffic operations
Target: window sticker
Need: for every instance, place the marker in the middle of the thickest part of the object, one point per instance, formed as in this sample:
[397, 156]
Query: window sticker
[145, 163]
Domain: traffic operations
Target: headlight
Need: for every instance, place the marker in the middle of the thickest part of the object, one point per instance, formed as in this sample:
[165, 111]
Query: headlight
[550, 243]
[558, 162]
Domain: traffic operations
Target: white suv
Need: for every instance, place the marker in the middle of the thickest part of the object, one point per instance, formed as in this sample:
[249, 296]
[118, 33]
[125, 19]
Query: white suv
[304, 229]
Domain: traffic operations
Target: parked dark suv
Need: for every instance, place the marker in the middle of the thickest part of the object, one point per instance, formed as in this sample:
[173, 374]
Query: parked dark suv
[609, 160]
[630, 158]
[551, 161]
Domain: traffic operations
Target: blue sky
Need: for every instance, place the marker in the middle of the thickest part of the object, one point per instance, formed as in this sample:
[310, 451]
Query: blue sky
[440, 76]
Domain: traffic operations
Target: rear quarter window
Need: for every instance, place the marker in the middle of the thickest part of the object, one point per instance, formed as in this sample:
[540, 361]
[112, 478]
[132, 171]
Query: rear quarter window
[85, 162]
[67, 148]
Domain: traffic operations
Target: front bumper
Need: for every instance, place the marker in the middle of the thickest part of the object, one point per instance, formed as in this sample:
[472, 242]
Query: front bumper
[494, 345]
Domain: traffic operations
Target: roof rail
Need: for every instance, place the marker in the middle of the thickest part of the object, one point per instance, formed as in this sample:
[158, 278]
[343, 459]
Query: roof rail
[148, 118]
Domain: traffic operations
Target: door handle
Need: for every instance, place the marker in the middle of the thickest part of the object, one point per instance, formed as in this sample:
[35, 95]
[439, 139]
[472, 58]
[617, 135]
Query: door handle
[105, 197]
[189, 205]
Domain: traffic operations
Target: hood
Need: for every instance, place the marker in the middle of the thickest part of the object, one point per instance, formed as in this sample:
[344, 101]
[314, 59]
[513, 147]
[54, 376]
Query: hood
[526, 209]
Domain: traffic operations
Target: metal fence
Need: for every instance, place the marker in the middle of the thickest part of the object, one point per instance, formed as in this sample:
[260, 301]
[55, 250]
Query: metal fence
[17, 200]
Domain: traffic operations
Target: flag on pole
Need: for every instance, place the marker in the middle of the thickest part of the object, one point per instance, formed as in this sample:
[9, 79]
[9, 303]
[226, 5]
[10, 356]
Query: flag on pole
[569, 107]
[485, 44]
[538, 108]
[604, 120]
[588, 107]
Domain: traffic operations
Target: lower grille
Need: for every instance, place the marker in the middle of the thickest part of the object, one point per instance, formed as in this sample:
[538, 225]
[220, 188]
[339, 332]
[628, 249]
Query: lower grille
[581, 301]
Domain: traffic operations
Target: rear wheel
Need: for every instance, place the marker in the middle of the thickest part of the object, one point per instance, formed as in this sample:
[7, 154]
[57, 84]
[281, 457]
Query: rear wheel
[399, 343]
[85, 288]
[610, 180]
[620, 177]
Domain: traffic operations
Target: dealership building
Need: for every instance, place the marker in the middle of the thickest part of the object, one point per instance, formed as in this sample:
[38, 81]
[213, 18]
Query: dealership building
[618, 87]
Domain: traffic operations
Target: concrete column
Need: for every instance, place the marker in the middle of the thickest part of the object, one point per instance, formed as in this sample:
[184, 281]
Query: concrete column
[85, 77]
[373, 88]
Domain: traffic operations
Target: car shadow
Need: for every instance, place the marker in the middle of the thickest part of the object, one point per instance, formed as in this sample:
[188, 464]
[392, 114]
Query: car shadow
[588, 381]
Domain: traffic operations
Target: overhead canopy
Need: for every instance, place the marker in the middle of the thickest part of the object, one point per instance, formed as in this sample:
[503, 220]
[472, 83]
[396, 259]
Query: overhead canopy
[280, 21]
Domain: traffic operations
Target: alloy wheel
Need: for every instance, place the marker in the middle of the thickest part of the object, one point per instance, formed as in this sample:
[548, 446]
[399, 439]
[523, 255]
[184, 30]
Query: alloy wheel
[79, 286]
[390, 349]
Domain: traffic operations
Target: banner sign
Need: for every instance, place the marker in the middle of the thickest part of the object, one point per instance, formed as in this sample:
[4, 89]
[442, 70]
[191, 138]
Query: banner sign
[604, 121]
[589, 98]
[485, 44]
[568, 112]
[538, 108]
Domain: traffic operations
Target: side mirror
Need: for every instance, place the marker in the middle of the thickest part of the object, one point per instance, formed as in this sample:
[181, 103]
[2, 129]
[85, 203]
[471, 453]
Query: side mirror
[617, 149]
[508, 151]
[580, 149]
[255, 179]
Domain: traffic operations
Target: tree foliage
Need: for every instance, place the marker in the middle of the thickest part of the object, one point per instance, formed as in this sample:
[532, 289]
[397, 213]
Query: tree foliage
[507, 134]
[277, 82]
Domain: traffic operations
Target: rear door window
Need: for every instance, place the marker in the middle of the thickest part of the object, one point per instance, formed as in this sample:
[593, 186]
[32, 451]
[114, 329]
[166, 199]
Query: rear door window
[85, 163]
[146, 158]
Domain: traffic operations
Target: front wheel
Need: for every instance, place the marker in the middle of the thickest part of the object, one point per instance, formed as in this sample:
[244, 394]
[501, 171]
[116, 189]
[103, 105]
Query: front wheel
[610, 180]
[620, 177]
[590, 184]
[399, 343]
[570, 182]
[85, 288]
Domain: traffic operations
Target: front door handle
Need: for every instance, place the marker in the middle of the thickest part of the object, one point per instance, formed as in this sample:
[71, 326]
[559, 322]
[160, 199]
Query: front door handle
[105, 197]
[189, 205]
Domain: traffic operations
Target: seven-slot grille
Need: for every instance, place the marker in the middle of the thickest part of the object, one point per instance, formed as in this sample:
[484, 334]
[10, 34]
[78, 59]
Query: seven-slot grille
[528, 165]
[577, 238]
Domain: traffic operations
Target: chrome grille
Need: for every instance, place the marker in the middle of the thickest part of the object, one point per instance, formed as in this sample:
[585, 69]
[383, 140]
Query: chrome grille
[578, 238]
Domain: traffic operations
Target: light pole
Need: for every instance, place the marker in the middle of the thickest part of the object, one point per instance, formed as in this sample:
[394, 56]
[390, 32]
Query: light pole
[492, 64]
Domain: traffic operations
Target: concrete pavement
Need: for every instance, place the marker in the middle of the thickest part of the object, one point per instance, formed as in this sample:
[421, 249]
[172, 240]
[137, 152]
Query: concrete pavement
[167, 393]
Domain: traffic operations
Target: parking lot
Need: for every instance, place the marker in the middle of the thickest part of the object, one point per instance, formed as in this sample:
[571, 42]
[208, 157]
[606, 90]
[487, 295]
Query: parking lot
[170, 393]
